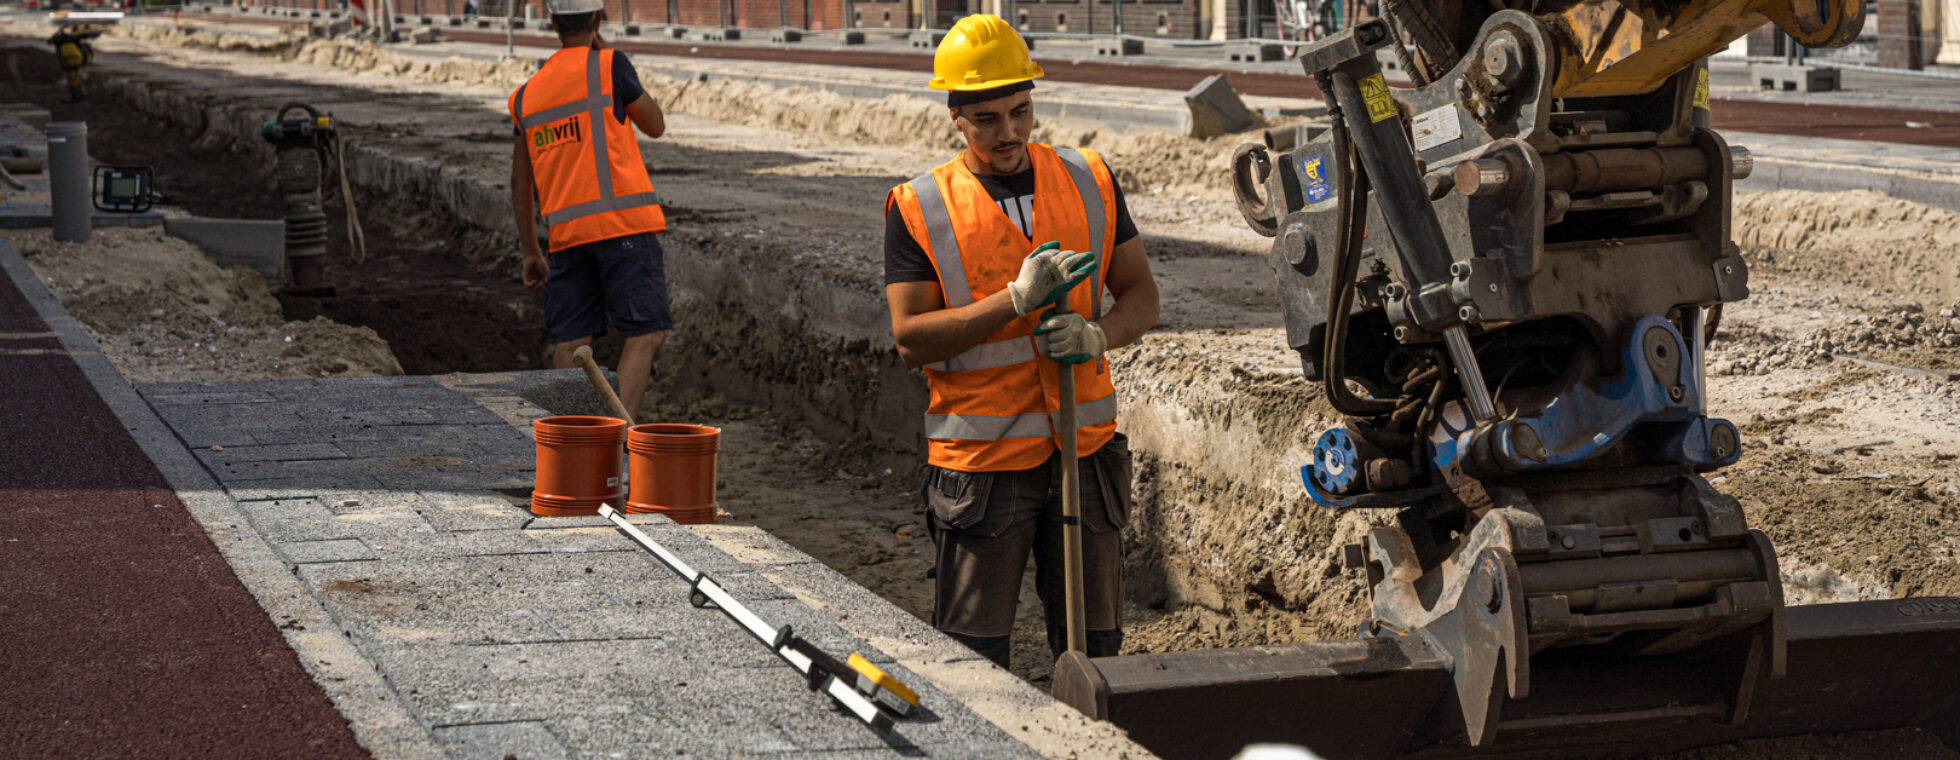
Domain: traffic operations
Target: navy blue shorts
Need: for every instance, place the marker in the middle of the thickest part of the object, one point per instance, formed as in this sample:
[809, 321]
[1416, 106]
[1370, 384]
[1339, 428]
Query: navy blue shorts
[623, 278]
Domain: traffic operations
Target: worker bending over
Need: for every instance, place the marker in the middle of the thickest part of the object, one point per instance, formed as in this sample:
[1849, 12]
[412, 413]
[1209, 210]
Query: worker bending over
[970, 282]
[576, 153]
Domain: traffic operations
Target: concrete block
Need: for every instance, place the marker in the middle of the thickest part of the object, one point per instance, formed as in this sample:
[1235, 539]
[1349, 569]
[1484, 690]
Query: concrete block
[927, 39]
[1119, 47]
[1216, 109]
[483, 23]
[1799, 77]
[425, 35]
[632, 30]
[785, 35]
[676, 32]
[852, 37]
[455, 20]
[428, 21]
[1254, 53]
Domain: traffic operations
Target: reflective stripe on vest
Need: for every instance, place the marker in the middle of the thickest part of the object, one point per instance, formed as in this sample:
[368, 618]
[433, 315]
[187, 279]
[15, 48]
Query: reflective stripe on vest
[946, 247]
[984, 427]
[952, 270]
[595, 103]
[981, 416]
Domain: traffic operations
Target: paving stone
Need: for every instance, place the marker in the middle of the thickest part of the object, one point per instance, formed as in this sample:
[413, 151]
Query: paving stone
[752, 546]
[277, 453]
[475, 449]
[495, 741]
[294, 520]
[494, 543]
[351, 501]
[225, 397]
[201, 436]
[295, 488]
[710, 731]
[459, 511]
[445, 600]
[331, 550]
[376, 417]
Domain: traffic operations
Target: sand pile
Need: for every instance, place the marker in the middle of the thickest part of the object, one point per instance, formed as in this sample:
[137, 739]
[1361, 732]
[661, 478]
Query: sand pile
[1860, 238]
[164, 312]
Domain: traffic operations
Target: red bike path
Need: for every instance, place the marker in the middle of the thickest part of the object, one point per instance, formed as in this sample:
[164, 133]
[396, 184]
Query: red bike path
[123, 632]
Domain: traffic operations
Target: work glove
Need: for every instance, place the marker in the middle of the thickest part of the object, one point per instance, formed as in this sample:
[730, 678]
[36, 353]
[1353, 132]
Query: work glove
[1046, 276]
[1067, 338]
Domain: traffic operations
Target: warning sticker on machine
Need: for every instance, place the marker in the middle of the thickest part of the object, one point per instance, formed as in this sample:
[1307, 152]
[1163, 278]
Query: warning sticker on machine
[1313, 177]
[1701, 89]
[1437, 126]
[1375, 92]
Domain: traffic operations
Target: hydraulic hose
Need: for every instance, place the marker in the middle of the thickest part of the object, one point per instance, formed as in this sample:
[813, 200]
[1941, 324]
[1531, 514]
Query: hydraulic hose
[1340, 288]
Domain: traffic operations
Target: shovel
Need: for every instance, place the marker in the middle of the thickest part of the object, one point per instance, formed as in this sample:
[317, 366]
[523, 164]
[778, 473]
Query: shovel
[1078, 631]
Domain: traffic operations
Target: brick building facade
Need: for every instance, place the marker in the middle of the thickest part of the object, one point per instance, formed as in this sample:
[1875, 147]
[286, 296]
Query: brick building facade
[1168, 19]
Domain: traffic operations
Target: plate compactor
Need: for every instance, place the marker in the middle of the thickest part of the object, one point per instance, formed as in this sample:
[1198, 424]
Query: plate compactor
[1517, 351]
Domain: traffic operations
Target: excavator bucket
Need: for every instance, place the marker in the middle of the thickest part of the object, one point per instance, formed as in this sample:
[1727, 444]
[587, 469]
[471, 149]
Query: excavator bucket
[1857, 666]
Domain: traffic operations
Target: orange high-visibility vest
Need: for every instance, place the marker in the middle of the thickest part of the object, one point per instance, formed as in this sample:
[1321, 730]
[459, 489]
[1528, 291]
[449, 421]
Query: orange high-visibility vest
[592, 183]
[993, 406]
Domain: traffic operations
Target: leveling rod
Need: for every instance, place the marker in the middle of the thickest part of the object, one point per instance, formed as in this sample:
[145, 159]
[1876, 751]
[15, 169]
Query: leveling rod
[858, 686]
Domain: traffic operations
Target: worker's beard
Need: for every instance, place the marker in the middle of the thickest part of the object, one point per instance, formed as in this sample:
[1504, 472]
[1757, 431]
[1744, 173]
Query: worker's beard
[1011, 161]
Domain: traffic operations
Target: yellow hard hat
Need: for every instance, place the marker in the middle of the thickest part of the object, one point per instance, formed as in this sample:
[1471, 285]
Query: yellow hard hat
[980, 53]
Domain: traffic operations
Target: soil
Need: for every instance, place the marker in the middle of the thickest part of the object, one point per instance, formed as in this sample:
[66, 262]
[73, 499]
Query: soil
[162, 312]
[1846, 464]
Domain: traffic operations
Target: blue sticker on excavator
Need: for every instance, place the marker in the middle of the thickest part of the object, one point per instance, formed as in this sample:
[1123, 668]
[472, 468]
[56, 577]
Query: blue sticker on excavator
[1313, 177]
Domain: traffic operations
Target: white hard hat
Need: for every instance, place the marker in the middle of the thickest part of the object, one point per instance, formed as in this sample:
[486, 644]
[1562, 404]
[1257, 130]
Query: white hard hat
[568, 7]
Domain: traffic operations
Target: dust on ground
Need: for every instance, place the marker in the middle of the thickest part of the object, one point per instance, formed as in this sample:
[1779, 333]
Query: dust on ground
[163, 312]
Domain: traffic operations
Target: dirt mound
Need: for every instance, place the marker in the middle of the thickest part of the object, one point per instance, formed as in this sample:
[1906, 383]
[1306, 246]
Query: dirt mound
[1861, 238]
[357, 57]
[164, 312]
[1901, 334]
[1143, 162]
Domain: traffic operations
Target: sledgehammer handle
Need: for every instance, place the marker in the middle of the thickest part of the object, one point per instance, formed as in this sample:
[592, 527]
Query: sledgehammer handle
[583, 355]
[1078, 635]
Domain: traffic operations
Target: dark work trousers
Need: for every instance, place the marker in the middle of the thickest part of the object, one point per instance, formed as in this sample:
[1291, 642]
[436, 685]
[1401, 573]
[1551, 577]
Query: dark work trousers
[986, 525]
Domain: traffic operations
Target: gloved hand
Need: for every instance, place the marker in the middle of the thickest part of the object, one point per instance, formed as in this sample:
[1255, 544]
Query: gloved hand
[1047, 274]
[1067, 338]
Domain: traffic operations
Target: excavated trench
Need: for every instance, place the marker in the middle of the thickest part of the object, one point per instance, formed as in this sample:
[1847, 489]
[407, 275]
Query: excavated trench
[441, 293]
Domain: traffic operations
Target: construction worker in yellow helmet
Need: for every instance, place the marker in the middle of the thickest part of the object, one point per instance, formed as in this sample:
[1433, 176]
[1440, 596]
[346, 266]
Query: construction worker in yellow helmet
[976, 252]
